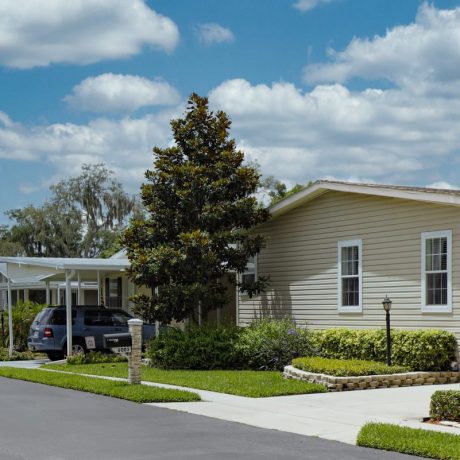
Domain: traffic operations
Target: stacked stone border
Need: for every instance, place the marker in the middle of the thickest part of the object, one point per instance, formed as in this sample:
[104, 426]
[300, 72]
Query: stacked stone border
[366, 382]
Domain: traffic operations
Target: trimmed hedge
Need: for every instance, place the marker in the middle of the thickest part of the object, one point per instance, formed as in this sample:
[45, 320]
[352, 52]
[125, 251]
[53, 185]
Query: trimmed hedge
[445, 405]
[345, 368]
[419, 350]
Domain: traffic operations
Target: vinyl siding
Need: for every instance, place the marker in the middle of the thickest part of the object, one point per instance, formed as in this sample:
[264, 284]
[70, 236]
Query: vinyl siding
[300, 258]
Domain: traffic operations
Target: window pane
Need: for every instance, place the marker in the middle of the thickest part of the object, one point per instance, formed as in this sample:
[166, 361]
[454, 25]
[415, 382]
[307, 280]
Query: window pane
[350, 292]
[436, 285]
[350, 260]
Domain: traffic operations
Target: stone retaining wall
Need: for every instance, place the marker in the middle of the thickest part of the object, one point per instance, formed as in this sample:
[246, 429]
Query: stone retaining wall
[364, 382]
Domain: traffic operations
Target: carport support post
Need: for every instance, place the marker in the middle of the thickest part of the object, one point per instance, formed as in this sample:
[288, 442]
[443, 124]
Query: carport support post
[48, 294]
[10, 320]
[134, 365]
[68, 309]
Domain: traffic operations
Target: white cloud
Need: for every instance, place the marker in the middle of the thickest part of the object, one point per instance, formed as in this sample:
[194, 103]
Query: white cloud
[111, 93]
[422, 57]
[307, 5]
[383, 136]
[443, 185]
[125, 145]
[39, 33]
[211, 33]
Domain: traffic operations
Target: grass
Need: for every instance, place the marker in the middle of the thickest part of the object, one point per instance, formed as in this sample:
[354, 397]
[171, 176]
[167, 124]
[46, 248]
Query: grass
[254, 384]
[345, 367]
[424, 443]
[135, 393]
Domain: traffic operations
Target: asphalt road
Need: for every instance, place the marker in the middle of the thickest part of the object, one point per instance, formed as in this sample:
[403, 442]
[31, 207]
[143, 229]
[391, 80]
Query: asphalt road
[40, 422]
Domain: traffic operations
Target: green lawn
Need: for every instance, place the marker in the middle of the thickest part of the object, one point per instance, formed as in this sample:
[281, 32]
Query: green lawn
[424, 443]
[255, 384]
[135, 393]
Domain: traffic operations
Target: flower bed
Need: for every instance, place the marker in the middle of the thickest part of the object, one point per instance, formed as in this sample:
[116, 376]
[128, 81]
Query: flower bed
[363, 382]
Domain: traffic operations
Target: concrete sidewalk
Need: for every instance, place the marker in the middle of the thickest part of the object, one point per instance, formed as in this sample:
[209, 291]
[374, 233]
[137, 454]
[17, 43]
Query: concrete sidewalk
[25, 364]
[335, 416]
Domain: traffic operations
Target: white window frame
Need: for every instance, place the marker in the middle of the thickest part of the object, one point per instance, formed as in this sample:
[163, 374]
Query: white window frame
[344, 308]
[255, 269]
[436, 308]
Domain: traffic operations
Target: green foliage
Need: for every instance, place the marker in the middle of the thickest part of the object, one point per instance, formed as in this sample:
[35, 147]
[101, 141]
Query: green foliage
[95, 357]
[17, 355]
[23, 315]
[278, 190]
[200, 205]
[205, 347]
[424, 443]
[83, 217]
[445, 405]
[272, 344]
[420, 350]
[253, 384]
[136, 393]
[345, 367]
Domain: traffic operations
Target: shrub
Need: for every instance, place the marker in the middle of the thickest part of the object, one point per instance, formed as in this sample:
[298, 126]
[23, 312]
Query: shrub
[17, 355]
[344, 368]
[445, 405]
[23, 315]
[272, 344]
[204, 347]
[420, 350]
[95, 357]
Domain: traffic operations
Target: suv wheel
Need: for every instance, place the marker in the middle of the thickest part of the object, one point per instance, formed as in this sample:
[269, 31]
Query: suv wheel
[78, 347]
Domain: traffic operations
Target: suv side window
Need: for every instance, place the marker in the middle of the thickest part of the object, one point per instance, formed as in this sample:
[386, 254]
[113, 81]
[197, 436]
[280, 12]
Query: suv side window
[97, 318]
[58, 317]
[120, 318]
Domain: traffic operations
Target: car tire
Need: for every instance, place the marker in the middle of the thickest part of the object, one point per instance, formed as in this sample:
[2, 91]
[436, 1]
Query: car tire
[78, 347]
[55, 356]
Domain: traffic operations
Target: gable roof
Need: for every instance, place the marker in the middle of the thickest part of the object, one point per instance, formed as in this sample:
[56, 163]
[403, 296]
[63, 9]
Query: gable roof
[430, 195]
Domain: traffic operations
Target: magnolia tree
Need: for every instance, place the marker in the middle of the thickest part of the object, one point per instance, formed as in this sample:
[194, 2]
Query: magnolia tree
[201, 209]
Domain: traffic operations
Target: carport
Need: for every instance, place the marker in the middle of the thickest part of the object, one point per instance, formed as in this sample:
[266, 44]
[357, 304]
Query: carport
[51, 273]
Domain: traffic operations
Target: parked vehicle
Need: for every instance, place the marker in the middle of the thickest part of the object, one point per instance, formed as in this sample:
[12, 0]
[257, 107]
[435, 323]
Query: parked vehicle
[48, 333]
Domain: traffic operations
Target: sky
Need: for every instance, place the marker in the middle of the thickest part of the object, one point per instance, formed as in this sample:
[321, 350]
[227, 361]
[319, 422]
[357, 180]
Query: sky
[360, 90]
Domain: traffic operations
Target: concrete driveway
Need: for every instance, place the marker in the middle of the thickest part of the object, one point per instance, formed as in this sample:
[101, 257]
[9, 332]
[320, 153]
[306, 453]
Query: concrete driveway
[27, 364]
[337, 416]
[39, 422]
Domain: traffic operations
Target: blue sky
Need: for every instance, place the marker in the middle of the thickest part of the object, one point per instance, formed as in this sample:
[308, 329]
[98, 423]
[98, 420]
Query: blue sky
[346, 89]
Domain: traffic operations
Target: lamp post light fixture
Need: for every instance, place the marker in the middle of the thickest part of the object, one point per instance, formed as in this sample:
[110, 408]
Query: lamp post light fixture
[387, 307]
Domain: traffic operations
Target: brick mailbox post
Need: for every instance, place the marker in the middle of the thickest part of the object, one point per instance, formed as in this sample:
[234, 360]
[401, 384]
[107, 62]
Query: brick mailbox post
[135, 357]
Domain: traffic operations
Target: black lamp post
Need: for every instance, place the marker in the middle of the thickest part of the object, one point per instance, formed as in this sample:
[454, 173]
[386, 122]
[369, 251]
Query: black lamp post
[387, 307]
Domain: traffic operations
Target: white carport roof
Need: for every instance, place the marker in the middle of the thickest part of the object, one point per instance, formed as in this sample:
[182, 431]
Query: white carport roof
[64, 263]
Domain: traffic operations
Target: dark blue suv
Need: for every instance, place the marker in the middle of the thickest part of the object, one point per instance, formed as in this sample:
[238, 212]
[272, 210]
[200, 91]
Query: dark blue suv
[48, 333]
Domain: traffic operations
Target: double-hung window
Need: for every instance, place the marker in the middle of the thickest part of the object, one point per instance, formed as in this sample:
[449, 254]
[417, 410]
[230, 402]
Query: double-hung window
[350, 276]
[250, 273]
[436, 271]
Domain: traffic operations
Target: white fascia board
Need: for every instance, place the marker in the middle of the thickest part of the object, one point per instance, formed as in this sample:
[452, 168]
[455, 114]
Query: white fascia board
[320, 188]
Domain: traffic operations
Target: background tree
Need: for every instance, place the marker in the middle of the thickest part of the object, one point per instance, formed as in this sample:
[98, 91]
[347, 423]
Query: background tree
[7, 246]
[83, 218]
[278, 190]
[200, 207]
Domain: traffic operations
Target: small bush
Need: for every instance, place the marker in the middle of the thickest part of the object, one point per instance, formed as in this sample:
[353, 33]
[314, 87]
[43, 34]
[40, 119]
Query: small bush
[17, 355]
[95, 357]
[445, 405]
[204, 347]
[272, 344]
[23, 315]
[420, 350]
[344, 368]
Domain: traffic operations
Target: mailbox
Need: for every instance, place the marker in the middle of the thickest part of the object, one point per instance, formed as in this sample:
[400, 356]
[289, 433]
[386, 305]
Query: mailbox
[117, 340]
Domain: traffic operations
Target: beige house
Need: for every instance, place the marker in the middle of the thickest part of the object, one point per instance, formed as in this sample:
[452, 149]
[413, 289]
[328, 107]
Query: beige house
[335, 250]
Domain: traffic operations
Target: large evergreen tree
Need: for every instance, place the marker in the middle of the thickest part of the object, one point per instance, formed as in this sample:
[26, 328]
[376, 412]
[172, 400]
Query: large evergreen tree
[200, 209]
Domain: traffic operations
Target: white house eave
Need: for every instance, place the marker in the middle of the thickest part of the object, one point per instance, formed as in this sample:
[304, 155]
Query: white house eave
[320, 188]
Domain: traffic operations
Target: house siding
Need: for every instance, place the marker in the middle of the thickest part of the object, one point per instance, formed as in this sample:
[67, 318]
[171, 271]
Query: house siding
[300, 258]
